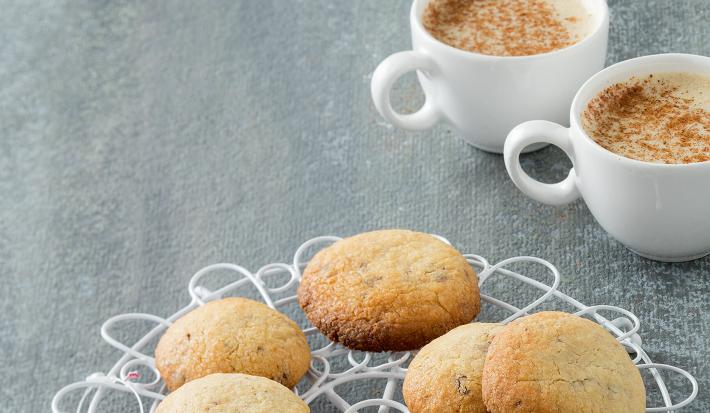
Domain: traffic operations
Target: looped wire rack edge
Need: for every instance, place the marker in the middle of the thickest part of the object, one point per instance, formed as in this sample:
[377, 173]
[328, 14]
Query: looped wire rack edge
[323, 381]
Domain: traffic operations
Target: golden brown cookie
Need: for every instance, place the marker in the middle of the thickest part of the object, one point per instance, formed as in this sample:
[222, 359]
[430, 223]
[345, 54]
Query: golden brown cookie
[445, 376]
[232, 335]
[558, 362]
[232, 393]
[388, 290]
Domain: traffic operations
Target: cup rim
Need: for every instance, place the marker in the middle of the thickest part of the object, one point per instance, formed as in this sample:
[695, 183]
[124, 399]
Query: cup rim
[575, 114]
[604, 22]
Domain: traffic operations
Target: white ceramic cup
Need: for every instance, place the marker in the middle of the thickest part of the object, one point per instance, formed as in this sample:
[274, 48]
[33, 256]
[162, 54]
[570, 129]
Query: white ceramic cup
[660, 211]
[483, 97]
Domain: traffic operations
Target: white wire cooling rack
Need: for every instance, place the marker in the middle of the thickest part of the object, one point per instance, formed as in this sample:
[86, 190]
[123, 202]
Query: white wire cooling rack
[323, 380]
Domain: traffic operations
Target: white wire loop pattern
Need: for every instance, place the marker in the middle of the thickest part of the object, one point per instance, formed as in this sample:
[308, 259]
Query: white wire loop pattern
[323, 380]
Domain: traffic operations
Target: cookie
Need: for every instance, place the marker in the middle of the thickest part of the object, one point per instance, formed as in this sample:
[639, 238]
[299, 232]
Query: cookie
[232, 335]
[445, 376]
[558, 362]
[390, 290]
[232, 393]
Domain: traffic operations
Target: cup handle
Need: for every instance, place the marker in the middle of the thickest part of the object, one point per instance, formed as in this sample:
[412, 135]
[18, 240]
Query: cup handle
[384, 77]
[538, 131]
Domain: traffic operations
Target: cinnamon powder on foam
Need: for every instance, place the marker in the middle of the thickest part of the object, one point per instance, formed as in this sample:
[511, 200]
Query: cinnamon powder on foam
[507, 27]
[660, 118]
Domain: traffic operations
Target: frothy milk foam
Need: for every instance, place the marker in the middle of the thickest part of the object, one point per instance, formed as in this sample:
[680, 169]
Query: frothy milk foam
[661, 118]
[509, 27]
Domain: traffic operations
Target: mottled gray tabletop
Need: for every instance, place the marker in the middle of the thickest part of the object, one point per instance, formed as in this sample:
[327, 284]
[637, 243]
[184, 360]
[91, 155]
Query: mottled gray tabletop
[142, 141]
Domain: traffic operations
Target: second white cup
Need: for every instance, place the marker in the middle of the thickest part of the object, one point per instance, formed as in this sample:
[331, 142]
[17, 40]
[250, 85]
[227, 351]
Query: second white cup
[659, 211]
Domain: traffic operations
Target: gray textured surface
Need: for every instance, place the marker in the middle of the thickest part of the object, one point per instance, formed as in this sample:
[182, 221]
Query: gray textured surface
[144, 140]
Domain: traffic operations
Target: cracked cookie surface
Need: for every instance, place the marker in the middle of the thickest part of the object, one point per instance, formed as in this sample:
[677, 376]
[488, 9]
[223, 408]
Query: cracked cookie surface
[445, 376]
[232, 393]
[389, 290]
[232, 335]
[558, 362]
